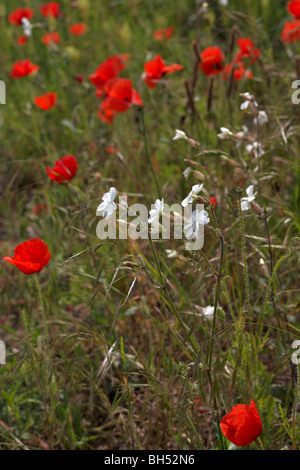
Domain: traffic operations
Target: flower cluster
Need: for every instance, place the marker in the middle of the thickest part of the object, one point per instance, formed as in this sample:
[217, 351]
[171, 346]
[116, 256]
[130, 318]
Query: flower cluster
[291, 29]
[22, 17]
[213, 60]
[117, 92]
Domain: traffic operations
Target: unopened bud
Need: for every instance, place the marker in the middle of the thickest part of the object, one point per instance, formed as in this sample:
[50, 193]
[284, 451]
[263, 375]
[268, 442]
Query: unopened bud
[202, 200]
[256, 209]
[238, 173]
[193, 143]
[229, 160]
[198, 175]
[191, 162]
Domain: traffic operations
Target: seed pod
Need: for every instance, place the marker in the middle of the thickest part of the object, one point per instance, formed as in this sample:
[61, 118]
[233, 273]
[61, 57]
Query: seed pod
[256, 209]
[238, 173]
[198, 175]
[230, 161]
[202, 200]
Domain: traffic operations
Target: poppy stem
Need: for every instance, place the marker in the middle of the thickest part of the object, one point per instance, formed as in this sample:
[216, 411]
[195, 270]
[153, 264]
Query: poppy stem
[42, 307]
[168, 300]
[213, 331]
[148, 154]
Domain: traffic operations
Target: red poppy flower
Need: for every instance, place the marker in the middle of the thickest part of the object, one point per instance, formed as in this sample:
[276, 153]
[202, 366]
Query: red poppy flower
[213, 201]
[110, 150]
[31, 256]
[291, 32]
[51, 38]
[156, 69]
[161, 34]
[247, 49]
[212, 61]
[199, 407]
[78, 29]
[293, 8]
[46, 101]
[120, 96]
[21, 40]
[39, 208]
[16, 16]
[79, 78]
[109, 69]
[50, 9]
[242, 425]
[64, 170]
[23, 68]
[239, 71]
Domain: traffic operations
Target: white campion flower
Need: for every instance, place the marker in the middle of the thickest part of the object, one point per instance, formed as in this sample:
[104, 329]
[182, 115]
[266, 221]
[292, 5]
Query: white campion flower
[248, 100]
[262, 118]
[240, 135]
[245, 201]
[198, 217]
[255, 149]
[171, 253]
[180, 135]
[224, 133]
[26, 26]
[107, 207]
[224, 3]
[195, 190]
[186, 172]
[208, 311]
[154, 213]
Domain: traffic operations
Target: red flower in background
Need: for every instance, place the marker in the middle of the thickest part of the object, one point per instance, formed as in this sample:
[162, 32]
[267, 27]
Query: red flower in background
[31, 256]
[16, 16]
[46, 101]
[212, 60]
[199, 407]
[51, 38]
[23, 68]
[239, 71]
[120, 96]
[109, 69]
[247, 49]
[78, 29]
[291, 32]
[42, 206]
[213, 201]
[79, 78]
[64, 170]
[156, 69]
[110, 150]
[161, 34]
[50, 9]
[21, 40]
[242, 425]
[293, 8]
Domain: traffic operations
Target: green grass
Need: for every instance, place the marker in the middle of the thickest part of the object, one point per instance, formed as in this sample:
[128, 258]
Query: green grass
[129, 351]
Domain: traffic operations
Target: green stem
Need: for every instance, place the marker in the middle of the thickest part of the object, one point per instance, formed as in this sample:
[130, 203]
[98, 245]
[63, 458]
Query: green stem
[42, 307]
[148, 154]
[246, 276]
[208, 263]
[167, 298]
[213, 331]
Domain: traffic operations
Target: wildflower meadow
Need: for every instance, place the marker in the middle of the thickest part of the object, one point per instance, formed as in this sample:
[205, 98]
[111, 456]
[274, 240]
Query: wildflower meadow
[150, 226]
